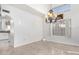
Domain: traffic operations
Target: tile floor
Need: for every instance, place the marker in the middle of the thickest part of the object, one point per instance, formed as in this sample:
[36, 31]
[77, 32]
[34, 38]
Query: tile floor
[42, 48]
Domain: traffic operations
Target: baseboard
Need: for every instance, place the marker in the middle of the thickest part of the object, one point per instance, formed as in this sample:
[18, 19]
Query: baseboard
[24, 43]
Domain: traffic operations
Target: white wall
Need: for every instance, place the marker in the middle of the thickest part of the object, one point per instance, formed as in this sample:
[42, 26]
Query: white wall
[27, 25]
[75, 22]
[43, 8]
[74, 15]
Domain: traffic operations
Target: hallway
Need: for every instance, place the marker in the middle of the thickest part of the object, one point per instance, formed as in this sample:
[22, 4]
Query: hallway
[42, 48]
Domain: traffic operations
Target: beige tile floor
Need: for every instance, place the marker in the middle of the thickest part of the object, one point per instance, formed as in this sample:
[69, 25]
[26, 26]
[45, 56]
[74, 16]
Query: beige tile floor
[42, 48]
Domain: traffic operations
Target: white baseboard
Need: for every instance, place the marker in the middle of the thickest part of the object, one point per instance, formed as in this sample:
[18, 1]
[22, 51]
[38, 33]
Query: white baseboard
[24, 43]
